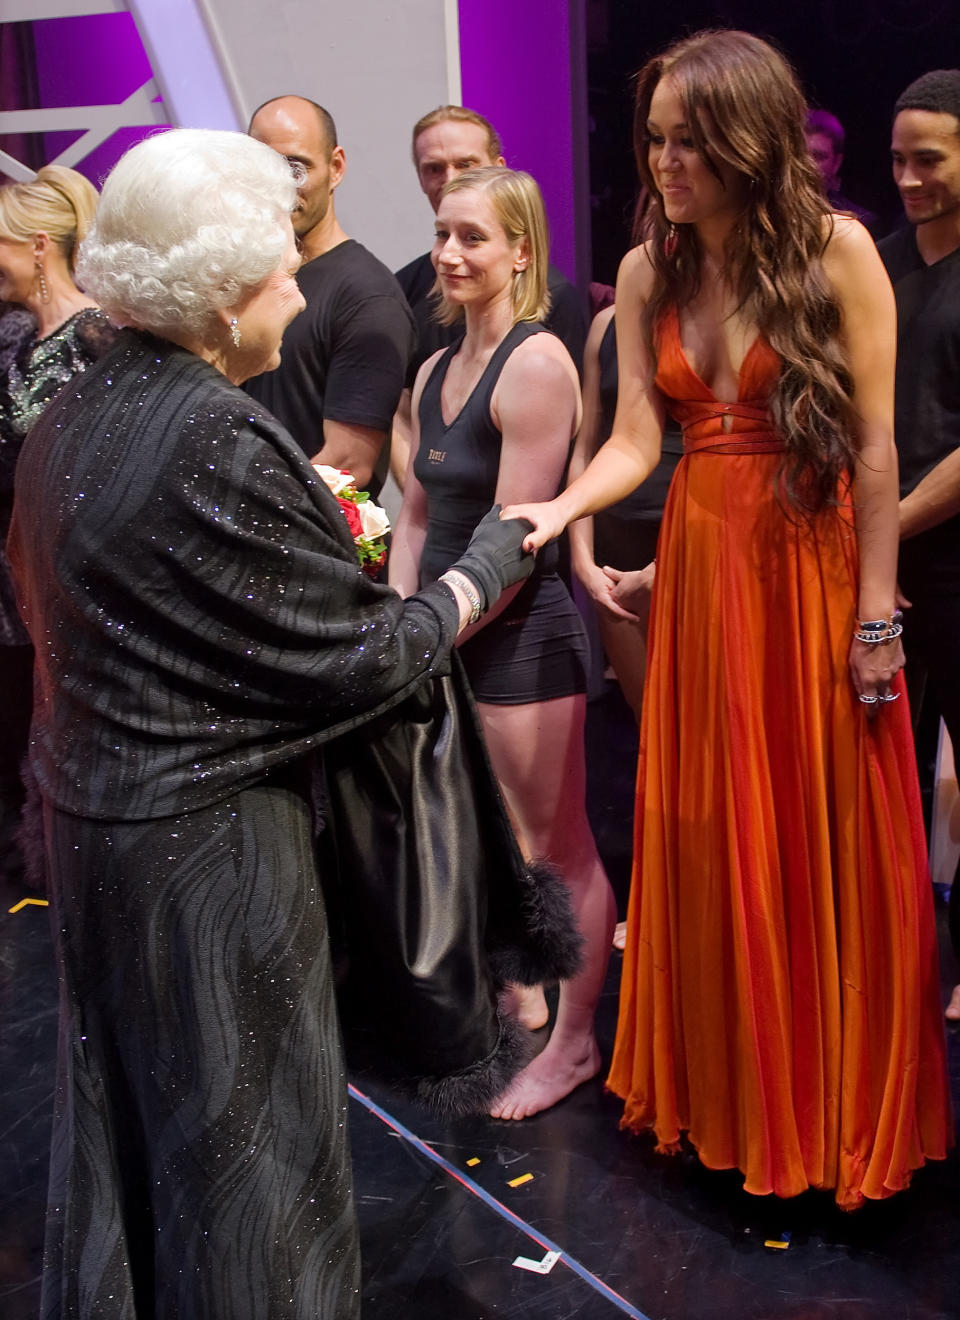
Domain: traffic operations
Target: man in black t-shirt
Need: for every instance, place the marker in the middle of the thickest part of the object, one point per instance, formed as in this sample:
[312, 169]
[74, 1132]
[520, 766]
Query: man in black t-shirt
[446, 142]
[344, 359]
[923, 262]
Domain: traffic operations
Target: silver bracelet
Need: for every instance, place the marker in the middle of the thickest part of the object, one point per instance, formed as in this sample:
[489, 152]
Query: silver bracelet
[453, 578]
[874, 632]
[877, 638]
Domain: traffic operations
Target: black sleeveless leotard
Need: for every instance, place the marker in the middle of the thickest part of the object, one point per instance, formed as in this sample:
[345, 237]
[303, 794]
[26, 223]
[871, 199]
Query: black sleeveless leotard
[536, 649]
[625, 535]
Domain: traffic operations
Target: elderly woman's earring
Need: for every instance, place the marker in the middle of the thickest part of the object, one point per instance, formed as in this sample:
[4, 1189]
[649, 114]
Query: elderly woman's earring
[235, 331]
[42, 282]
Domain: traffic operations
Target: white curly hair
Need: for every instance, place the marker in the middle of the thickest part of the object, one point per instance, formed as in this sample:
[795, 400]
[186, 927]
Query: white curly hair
[189, 221]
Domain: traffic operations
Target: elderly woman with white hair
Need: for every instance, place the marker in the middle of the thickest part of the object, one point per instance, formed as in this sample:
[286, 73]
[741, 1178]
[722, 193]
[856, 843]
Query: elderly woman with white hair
[201, 623]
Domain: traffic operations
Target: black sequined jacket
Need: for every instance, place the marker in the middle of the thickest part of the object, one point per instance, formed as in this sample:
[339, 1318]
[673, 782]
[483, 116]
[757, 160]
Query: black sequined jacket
[193, 593]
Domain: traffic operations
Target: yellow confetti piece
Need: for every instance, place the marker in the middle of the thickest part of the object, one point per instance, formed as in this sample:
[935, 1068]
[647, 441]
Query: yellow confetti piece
[24, 902]
[472, 1161]
[777, 1246]
[518, 1182]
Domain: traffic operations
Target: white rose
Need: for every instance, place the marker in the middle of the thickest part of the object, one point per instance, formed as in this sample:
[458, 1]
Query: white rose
[373, 520]
[332, 477]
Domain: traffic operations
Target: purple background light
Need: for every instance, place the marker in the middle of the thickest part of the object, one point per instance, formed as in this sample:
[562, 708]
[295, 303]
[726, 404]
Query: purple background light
[515, 69]
[95, 59]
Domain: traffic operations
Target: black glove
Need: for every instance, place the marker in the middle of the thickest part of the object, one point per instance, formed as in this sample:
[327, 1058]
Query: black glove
[494, 559]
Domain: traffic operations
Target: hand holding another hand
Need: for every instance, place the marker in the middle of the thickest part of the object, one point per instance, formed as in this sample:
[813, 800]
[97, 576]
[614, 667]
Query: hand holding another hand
[627, 595]
[546, 520]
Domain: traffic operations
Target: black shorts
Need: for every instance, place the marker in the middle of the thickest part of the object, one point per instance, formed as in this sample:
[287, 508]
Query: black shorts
[536, 650]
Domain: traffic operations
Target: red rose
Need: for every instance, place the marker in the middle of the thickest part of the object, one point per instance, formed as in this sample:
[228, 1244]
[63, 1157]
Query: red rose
[352, 515]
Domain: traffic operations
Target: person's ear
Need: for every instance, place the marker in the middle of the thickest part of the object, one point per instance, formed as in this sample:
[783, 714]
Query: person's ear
[338, 166]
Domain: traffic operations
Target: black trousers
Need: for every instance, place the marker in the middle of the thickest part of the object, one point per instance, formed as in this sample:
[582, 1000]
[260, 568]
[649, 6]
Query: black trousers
[930, 579]
[200, 1165]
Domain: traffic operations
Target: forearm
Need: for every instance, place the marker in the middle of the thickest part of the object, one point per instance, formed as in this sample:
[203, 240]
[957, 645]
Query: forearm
[406, 549]
[876, 503]
[351, 448]
[400, 441]
[933, 500]
[581, 547]
[502, 602]
[618, 468]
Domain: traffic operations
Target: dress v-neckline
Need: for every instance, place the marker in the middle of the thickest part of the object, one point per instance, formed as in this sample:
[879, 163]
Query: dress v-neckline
[755, 344]
[494, 357]
[479, 381]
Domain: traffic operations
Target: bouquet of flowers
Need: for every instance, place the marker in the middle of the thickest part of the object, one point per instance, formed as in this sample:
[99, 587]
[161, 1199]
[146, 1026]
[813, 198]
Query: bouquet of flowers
[368, 523]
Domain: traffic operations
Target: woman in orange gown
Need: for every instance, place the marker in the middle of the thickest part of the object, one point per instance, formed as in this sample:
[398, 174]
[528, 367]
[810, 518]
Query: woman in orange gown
[780, 995]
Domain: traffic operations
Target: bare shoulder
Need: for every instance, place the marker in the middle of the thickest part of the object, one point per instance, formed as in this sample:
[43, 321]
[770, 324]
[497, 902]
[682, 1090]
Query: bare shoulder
[539, 362]
[850, 251]
[424, 373]
[635, 279]
[598, 328]
[538, 388]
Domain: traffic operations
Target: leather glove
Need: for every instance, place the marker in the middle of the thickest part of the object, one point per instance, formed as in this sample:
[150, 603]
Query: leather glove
[494, 559]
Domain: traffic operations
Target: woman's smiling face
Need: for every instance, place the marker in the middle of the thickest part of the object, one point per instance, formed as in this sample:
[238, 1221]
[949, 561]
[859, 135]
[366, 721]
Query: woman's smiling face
[473, 258]
[691, 191]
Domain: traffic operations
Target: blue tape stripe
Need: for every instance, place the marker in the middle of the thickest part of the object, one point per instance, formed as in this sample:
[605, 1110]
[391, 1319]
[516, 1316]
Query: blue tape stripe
[503, 1211]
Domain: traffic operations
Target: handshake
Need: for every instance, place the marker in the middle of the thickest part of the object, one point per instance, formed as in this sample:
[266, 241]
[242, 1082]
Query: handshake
[495, 558]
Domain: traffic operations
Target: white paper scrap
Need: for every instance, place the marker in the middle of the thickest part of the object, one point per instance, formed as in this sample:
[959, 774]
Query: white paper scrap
[538, 1266]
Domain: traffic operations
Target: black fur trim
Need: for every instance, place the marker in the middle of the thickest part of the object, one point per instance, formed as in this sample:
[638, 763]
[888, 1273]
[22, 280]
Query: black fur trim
[472, 1090]
[29, 834]
[542, 941]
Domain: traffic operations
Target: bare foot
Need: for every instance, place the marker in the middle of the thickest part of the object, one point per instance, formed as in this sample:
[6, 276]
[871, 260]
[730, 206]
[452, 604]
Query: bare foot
[548, 1078]
[527, 1004]
[620, 936]
[952, 1011]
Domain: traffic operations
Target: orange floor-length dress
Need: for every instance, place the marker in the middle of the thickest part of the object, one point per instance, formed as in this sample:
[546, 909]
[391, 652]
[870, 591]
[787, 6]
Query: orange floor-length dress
[780, 997]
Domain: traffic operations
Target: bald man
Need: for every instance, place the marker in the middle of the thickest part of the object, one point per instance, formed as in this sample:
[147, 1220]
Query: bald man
[343, 359]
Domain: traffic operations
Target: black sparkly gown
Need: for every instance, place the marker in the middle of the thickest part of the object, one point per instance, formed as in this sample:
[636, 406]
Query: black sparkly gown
[200, 623]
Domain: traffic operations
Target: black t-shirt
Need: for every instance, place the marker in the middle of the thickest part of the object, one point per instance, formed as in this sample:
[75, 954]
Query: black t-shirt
[928, 355]
[565, 317]
[344, 358]
[927, 411]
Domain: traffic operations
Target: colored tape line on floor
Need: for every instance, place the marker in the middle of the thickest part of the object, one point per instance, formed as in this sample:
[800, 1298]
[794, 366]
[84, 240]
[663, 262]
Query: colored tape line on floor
[586, 1275]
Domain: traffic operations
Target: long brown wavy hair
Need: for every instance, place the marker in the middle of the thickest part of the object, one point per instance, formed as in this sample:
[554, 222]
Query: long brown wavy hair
[743, 105]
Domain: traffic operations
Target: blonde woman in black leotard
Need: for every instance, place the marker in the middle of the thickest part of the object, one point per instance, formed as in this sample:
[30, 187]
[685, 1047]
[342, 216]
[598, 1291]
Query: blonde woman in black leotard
[493, 419]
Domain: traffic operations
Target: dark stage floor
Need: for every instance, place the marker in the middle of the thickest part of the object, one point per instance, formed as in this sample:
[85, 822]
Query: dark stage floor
[640, 1234]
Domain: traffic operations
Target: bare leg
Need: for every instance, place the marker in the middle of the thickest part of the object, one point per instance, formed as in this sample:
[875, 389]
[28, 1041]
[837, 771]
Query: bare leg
[527, 1004]
[626, 646]
[537, 753]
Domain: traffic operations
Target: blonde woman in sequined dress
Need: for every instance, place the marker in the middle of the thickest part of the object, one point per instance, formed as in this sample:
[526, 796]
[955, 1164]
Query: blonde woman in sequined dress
[41, 226]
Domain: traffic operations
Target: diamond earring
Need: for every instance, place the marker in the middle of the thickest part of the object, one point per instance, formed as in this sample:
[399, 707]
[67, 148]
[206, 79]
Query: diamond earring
[235, 331]
[41, 280]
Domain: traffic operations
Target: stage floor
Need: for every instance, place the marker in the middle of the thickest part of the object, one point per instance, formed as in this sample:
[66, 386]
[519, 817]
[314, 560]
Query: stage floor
[639, 1234]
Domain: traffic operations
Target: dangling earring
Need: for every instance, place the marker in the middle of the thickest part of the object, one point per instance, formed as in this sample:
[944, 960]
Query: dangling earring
[235, 331]
[41, 280]
[670, 242]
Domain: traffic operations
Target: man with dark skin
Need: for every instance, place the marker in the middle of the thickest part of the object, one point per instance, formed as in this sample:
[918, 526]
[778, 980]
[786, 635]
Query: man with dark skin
[344, 359]
[923, 262]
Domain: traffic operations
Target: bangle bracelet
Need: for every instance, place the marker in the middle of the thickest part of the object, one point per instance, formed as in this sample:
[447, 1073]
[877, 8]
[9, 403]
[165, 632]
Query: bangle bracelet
[878, 638]
[880, 625]
[460, 580]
